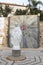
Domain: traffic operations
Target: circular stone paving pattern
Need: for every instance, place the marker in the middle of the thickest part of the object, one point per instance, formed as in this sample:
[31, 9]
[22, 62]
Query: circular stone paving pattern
[12, 58]
[32, 58]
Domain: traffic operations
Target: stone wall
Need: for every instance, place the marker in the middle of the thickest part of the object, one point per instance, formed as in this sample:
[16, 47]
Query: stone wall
[20, 20]
[41, 34]
[5, 30]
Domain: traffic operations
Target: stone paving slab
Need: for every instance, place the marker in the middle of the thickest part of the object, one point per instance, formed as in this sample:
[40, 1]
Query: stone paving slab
[33, 57]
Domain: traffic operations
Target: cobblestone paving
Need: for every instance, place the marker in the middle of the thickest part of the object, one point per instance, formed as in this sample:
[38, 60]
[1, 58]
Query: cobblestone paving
[32, 57]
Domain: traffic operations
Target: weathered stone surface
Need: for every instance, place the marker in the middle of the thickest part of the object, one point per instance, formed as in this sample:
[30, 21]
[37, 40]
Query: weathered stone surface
[33, 57]
[30, 34]
[16, 53]
[41, 34]
[12, 58]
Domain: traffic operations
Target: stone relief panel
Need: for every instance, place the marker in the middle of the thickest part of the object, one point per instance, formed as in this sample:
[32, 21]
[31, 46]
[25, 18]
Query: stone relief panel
[30, 29]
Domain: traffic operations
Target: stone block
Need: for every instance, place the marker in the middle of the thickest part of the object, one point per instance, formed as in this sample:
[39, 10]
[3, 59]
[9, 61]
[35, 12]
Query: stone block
[16, 53]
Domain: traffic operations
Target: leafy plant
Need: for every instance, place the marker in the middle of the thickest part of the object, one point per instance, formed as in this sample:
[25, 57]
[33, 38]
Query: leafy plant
[20, 12]
[5, 11]
[34, 3]
[33, 6]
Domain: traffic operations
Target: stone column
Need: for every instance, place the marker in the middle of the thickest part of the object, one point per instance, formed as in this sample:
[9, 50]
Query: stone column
[16, 53]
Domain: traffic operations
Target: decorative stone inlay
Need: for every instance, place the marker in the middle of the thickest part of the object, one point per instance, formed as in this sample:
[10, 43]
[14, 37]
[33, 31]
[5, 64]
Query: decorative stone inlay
[31, 58]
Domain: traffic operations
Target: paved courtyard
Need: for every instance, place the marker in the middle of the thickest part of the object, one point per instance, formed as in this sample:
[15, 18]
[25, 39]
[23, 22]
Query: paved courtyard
[33, 57]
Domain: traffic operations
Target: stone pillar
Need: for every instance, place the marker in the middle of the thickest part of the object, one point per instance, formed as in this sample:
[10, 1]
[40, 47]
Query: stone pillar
[16, 53]
[39, 29]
